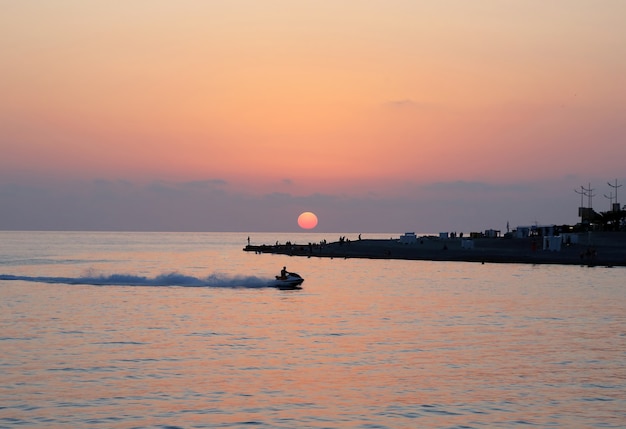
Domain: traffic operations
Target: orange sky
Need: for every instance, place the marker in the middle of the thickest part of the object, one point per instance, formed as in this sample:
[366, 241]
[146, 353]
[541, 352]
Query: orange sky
[313, 97]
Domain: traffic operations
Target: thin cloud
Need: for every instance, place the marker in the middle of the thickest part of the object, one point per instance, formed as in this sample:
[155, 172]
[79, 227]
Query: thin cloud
[281, 196]
[476, 186]
[408, 104]
[209, 183]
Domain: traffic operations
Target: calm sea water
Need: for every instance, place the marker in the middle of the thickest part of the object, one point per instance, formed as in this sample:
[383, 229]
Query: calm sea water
[181, 332]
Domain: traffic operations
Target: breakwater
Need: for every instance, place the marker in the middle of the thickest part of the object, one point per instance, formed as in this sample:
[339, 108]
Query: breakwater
[593, 249]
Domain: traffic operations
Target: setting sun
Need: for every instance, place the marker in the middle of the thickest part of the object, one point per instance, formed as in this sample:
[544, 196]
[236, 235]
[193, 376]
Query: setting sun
[307, 220]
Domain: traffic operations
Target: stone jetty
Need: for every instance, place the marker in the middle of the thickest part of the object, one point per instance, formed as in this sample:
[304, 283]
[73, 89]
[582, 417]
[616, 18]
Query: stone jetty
[589, 248]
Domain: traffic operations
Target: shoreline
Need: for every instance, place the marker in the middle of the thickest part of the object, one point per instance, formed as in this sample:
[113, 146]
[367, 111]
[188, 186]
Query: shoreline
[591, 249]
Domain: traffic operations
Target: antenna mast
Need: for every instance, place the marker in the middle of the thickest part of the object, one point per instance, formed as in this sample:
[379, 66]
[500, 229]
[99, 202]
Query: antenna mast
[589, 193]
[614, 187]
[610, 197]
[581, 194]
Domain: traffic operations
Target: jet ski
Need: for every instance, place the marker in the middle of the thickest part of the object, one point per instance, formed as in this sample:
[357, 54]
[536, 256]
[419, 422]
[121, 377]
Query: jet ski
[290, 281]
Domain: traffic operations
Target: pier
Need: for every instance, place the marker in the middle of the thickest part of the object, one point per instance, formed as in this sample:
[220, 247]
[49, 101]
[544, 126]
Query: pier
[591, 249]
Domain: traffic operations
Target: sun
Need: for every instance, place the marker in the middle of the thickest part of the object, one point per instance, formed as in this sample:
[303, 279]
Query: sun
[307, 220]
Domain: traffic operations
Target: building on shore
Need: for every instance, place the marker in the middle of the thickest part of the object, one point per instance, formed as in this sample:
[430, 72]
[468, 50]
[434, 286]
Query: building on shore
[534, 231]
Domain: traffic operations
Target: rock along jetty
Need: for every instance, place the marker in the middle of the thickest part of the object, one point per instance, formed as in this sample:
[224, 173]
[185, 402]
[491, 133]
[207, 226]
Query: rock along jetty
[593, 249]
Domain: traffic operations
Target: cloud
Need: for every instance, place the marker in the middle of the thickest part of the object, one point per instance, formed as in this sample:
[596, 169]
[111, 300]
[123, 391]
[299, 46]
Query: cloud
[162, 187]
[408, 104]
[172, 188]
[112, 183]
[478, 187]
[278, 196]
[211, 183]
[211, 205]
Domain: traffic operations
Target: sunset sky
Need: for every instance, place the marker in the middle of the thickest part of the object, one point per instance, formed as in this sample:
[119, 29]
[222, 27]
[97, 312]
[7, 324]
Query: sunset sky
[378, 116]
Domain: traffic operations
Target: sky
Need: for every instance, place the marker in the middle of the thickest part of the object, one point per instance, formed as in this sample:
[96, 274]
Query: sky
[378, 116]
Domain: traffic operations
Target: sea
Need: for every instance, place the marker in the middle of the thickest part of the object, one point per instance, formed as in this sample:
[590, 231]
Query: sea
[180, 330]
